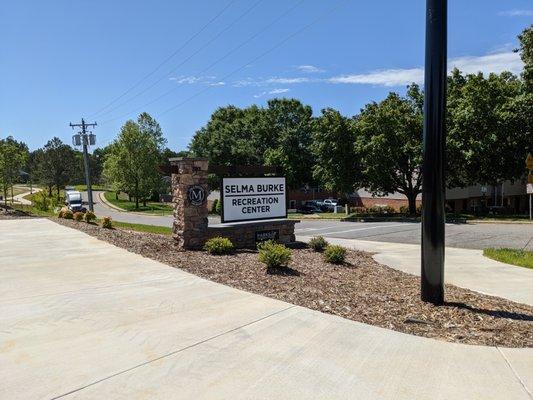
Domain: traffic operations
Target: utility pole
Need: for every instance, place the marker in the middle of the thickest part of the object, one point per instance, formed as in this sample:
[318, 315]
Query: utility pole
[85, 138]
[433, 192]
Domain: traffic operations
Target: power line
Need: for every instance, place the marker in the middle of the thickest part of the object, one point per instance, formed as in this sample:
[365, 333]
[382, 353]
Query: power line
[290, 9]
[187, 59]
[168, 58]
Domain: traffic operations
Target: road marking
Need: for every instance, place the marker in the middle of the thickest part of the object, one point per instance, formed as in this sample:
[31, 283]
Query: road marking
[364, 229]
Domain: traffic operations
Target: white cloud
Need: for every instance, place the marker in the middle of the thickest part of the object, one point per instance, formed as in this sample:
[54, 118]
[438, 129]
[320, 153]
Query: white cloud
[220, 83]
[191, 80]
[273, 91]
[516, 13]
[311, 69]
[387, 77]
[497, 63]
[287, 81]
[278, 91]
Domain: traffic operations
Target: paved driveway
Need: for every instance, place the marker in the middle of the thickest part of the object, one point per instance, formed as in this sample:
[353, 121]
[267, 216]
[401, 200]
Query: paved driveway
[469, 236]
[82, 319]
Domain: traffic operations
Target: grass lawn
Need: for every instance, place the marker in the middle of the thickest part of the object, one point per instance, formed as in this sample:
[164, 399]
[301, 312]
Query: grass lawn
[522, 258]
[83, 188]
[337, 216]
[165, 230]
[16, 191]
[126, 205]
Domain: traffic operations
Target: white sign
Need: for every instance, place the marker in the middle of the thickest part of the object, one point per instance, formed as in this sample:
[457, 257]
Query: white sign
[530, 188]
[245, 199]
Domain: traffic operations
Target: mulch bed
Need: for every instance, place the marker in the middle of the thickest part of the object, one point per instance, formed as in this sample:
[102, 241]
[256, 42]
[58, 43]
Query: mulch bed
[361, 290]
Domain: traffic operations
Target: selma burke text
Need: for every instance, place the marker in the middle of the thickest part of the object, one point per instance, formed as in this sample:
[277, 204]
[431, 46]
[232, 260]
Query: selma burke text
[252, 189]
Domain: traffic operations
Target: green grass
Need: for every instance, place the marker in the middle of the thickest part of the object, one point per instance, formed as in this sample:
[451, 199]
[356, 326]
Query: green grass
[522, 258]
[317, 216]
[151, 207]
[83, 188]
[164, 230]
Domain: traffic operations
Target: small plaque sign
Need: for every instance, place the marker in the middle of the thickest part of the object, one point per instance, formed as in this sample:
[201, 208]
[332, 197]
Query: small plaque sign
[261, 236]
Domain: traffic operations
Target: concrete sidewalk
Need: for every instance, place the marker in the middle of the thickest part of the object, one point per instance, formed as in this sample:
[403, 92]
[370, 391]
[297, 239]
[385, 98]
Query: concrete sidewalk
[82, 319]
[466, 268]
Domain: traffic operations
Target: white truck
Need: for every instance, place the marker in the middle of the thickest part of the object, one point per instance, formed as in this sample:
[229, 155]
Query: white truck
[73, 200]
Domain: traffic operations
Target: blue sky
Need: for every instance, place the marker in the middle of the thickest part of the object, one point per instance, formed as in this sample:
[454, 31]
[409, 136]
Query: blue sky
[66, 59]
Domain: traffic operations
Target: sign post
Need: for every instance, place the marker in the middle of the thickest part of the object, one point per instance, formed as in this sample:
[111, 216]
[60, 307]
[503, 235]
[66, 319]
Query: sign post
[432, 274]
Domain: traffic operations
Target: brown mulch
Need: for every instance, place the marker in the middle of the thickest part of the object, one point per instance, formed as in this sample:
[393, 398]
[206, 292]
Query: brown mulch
[361, 290]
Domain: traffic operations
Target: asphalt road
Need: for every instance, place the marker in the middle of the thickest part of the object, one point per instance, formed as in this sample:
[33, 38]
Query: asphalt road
[469, 236]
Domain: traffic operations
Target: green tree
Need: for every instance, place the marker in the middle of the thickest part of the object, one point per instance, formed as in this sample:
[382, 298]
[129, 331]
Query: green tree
[55, 165]
[133, 159]
[389, 142]
[526, 53]
[13, 157]
[489, 128]
[279, 134]
[289, 122]
[337, 167]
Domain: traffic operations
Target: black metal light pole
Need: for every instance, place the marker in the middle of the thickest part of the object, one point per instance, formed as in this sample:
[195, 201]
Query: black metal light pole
[433, 189]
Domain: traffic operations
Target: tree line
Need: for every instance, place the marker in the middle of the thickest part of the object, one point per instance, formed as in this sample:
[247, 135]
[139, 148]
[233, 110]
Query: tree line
[489, 122]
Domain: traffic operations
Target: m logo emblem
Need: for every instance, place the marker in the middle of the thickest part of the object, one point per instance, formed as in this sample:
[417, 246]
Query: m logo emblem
[196, 195]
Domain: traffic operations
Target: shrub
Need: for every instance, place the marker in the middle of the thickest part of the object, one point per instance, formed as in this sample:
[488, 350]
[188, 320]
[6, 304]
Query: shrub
[78, 216]
[61, 213]
[90, 216]
[381, 209]
[41, 201]
[273, 254]
[335, 254]
[318, 243]
[219, 246]
[67, 214]
[404, 210]
[107, 222]
[358, 210]
[218, 208]
[214, 207]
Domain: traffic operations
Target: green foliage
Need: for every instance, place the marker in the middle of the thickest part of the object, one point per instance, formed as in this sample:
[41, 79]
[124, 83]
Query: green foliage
[107, 222]
[389, 142]
[274, 255]
[90, 217]
[13, 157]
[522, 258]
[41, 201]
[219, 246]
[54, 165]
[215, 207]
[384, 209]
[279, 134]
[336, 166]
[489, 122]
[335, 254]
[318, 243]
[132, 163]
[78, 216]
[67, 214]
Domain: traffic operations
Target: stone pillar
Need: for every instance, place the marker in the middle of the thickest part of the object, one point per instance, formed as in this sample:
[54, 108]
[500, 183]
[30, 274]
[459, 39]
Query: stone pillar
[189, 195]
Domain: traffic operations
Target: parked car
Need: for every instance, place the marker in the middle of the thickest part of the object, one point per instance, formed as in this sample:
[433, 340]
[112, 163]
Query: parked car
[317, 204]
[308, 209]
[330, 204]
